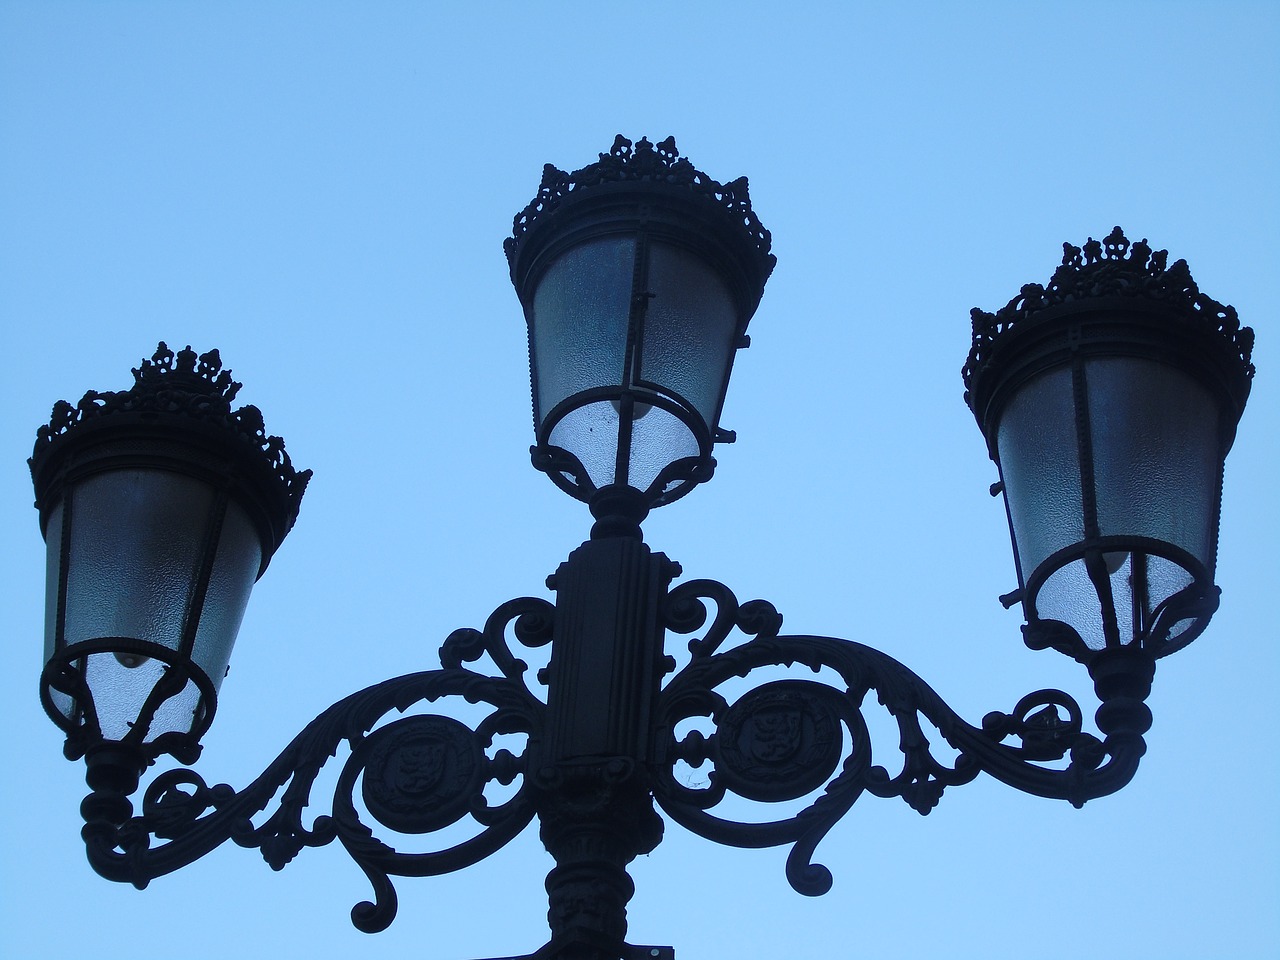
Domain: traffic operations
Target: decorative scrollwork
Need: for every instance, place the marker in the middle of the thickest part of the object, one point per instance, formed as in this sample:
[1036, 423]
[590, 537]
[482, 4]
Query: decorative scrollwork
[530, 619]
[1112, 267]
[642, 160]
[783, 740]
[170, 811]
[173, 384]
[416, 775]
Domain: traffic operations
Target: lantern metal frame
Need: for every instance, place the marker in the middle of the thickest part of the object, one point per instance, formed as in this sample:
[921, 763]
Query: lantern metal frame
[593, 745]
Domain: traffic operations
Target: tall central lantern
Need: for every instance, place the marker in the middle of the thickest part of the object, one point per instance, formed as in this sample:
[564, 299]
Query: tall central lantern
[638, 276]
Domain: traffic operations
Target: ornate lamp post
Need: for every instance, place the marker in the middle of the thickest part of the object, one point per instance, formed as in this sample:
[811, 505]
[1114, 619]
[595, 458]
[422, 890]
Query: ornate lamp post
[1108, 399]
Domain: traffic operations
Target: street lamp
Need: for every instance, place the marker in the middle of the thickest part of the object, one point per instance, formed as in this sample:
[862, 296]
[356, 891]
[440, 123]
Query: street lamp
[160, 507]
[636, 300]
[1108, 399]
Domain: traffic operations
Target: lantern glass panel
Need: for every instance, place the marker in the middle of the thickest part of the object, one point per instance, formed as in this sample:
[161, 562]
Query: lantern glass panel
[1040, 466]
[52, 579]
[136, 543]
[581, 312]
[688, 329]
[137, 551]
[235, 569]
[121, 687]
[1138, 583]
[1164, 578]
[1154, 466]
[590, 433]
[1156, 453]
[1069, 595]
[658, 438]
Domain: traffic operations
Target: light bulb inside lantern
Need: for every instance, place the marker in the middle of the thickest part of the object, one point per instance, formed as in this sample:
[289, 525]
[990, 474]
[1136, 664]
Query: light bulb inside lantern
[1114, 560]
[638, 409]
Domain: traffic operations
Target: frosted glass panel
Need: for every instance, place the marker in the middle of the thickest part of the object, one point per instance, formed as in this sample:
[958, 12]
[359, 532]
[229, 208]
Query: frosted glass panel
[1155, 449]
[580, 316]
[119, 693]
[688, 328]
[590, 433]
[136, 537]
[657, 439]
[52, 572]
[234, 571]
[1164, 579]
[1137, 590]
[1039, 461]
[1069, 595]
[137, 545]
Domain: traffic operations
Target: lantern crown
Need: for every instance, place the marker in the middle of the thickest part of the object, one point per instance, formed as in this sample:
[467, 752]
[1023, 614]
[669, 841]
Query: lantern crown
[183, 384]
[641, 162]
[1113, 267]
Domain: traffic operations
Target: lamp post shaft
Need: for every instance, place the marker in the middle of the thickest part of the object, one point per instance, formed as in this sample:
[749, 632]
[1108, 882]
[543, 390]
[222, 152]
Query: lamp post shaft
[592, 777]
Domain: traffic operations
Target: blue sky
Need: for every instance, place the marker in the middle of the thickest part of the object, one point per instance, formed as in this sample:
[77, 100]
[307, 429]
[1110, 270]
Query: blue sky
[321, 190]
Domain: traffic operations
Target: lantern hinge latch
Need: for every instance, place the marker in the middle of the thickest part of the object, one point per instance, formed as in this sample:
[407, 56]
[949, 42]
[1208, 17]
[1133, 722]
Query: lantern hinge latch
[1007, 600]
[725, 436]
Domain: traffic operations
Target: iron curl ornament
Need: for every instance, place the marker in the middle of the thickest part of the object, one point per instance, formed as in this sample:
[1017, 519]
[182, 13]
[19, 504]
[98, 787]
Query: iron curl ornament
[418, 775]
[784, 739]
[779, 741]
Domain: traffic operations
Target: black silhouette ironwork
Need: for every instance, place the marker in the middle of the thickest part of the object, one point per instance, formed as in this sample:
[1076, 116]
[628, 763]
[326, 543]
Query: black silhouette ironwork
[781, 741]
[600, 744]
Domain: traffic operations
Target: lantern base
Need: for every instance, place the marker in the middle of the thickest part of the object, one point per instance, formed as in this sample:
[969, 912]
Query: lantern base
[168, 686]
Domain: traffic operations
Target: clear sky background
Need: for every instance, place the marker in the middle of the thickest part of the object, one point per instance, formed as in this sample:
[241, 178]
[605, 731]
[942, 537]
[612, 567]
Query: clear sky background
[321, 190]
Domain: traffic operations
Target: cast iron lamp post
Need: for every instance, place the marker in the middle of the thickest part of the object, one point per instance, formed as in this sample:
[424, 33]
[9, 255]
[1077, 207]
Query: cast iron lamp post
[1108, 399]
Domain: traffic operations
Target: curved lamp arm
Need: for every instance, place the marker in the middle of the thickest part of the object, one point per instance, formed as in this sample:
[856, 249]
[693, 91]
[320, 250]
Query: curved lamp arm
[418, 775]
[785, 739]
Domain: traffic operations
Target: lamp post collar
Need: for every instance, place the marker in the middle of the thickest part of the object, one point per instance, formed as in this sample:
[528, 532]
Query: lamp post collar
[619, 511]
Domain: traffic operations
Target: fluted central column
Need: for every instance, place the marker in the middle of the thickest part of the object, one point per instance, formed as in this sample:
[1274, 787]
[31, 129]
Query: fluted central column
[591, 770]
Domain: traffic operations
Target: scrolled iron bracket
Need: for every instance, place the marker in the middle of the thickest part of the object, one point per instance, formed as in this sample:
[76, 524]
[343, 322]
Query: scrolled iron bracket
[417, 775]
[798, 741]
[785, 740]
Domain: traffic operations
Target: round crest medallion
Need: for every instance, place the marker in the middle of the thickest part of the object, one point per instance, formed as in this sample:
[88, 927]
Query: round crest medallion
[778, 742]
[421, 773]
